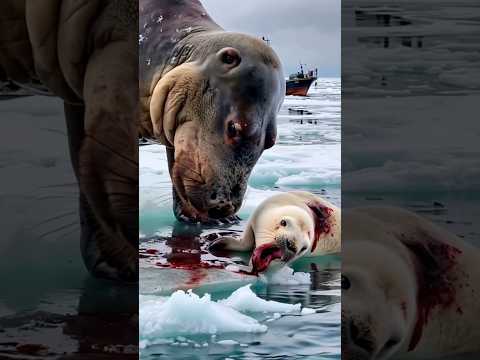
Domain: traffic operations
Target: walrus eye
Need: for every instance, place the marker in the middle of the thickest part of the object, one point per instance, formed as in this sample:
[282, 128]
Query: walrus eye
[345, 283]
[283, 222]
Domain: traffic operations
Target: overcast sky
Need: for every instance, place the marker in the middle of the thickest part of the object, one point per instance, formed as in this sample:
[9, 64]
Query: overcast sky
[299, 30]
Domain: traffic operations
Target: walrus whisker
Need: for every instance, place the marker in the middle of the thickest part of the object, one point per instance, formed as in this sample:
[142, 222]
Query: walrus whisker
[75, 229]
[51, 219]
[49, 197]
[58, 229]
[73, 185]
[56, 131]
[135, 163]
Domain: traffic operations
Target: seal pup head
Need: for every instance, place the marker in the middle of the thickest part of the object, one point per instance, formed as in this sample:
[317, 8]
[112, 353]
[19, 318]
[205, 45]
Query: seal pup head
[379, 289]
[285, 236]
[216, 113]
[378, 301]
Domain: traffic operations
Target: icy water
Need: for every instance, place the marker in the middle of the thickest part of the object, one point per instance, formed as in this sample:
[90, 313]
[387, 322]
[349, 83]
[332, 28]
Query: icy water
[49, 305]
[306, 157]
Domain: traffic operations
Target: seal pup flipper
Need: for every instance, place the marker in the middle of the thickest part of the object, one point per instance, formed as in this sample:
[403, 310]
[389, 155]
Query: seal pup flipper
[245, 243]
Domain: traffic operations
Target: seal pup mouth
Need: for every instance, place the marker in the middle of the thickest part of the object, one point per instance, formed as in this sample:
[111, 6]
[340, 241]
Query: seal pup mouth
[263, 255]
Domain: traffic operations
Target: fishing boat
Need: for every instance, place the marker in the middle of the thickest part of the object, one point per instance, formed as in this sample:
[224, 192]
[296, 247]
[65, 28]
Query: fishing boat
[299, 83]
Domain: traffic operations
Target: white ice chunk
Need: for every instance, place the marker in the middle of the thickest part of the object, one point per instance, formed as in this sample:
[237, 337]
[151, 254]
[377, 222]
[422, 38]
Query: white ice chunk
[307, 311]
[244, 299]
[227, 342]
[285, 276]
[187, 313]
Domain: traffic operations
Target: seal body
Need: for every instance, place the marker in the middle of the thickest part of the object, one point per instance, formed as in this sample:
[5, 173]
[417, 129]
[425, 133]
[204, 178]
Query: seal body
[288, 226]
[409, 288]
[86, 53]
[211, 97]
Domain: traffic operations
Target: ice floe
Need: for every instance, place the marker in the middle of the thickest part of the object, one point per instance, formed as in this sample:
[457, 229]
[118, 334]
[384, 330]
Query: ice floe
[285, 276]
[245, 300]
[168, 320]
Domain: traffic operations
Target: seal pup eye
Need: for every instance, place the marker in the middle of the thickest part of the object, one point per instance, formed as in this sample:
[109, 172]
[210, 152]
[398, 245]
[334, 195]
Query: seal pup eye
[283, 222]
[345, 283]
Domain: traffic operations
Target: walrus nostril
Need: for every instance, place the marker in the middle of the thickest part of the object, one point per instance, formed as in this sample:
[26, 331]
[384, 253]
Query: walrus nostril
[232, 130]
[230, 57]
[220, 212]
[236, 190]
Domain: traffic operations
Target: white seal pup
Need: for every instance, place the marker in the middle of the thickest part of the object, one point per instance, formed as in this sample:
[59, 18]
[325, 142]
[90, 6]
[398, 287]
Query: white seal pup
[409, 288]
[285, 227]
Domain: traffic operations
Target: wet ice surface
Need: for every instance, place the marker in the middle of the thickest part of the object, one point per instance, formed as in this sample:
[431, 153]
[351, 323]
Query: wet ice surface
[305, 157]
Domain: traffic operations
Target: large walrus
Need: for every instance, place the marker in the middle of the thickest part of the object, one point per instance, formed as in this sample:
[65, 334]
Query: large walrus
[211, 97]
[85, 51]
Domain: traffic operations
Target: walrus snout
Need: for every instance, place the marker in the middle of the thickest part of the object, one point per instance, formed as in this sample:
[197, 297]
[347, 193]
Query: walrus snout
[220, 212]
[224, 203]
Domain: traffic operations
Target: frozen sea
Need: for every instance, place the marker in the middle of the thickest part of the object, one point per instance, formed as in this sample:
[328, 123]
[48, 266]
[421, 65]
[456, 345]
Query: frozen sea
[306, 157]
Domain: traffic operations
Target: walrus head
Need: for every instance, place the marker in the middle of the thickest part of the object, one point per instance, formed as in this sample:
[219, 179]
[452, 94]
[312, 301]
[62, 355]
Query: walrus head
[216, 114]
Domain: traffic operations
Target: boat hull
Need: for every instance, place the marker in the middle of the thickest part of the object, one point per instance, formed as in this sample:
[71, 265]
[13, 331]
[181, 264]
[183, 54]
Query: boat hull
[299, 87]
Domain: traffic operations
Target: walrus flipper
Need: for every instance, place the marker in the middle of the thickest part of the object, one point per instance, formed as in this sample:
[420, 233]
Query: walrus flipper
[245, 243]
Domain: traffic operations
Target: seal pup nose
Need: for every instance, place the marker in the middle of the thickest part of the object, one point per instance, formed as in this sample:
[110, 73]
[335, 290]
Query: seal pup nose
[359, 339]
[229, 58]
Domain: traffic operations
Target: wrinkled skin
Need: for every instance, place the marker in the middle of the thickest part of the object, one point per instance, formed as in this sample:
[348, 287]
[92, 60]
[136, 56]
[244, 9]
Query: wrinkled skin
[98, 81]
[214, 108]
